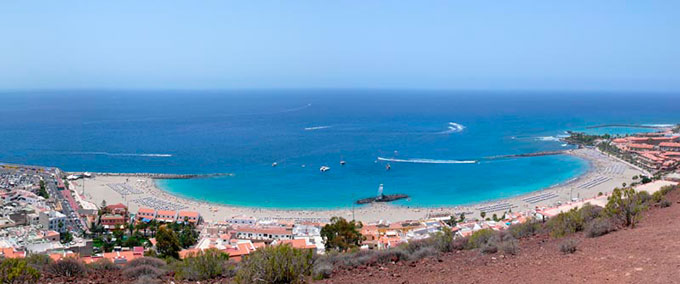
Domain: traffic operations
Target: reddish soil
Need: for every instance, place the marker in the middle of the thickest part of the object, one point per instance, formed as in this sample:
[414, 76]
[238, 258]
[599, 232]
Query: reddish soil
[650, 253]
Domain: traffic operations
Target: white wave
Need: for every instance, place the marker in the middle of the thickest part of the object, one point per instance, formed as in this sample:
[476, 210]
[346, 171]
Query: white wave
[317, 127]
[427, 161]
[122, 154]
[548, 138]
[453, 128]
[659, 125]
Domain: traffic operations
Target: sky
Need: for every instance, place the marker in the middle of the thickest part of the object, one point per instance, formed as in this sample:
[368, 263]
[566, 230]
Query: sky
[565, 45]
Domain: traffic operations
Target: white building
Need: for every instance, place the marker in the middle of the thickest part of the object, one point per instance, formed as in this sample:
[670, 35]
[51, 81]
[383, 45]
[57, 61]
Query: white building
[242, 220]
[50, 221]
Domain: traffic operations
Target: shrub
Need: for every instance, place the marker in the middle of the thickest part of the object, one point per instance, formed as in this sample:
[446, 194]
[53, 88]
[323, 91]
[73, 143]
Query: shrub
[489, 247]
[644, 197]
[599, 227]
[665, 203]
[144, 266]
[667, 189]
[510, 247]
[523, 230]
[568, 246]
[276, 264]
[390, 255]
[39, 261]
[590, 212]
[140, 271]
[349, 259]
[67, 267]
[151, 261]
[459, 243]
[322, 270]
[424, 252]
[625, 205]
[15, 270]
[443, 241]
[103, 265]
[477, 239]
[658, 196]
[565, 223]
[203, 265]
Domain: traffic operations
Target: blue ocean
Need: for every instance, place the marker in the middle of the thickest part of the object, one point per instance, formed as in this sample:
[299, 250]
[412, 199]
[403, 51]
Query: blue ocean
[435, 143]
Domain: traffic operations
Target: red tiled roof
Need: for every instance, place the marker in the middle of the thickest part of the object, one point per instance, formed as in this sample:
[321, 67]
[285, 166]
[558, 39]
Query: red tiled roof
[190, 214]
[297, 243]
[146, 210]
[669, 144]
[641, 146]
[116, 206]
[166, 212]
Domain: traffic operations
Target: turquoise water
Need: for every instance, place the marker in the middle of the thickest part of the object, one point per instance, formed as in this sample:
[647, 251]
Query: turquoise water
[436, 142]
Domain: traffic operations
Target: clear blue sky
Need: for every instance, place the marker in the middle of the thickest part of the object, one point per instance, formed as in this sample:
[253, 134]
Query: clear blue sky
[613, 45]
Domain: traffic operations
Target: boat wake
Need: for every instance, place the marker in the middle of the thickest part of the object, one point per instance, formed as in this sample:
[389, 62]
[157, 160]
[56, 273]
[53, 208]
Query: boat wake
[317, 127]
[453, 128]
[122, 154]
[426, 161]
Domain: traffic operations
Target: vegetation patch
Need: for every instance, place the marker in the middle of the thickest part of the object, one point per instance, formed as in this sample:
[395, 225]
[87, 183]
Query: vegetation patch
[203, 265]
[276, 264]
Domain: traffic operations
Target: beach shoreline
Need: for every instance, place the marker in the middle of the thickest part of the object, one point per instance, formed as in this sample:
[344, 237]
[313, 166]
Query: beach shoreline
[604, 173]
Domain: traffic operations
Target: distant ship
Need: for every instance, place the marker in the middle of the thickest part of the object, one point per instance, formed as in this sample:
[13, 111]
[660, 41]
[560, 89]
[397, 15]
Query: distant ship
[324, 168]
[274, 164]
[342, 163]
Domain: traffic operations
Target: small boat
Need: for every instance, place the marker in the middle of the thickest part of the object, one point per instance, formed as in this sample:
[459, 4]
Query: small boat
[342, 163]
[274, 164]
[324, 168]
[388, 167]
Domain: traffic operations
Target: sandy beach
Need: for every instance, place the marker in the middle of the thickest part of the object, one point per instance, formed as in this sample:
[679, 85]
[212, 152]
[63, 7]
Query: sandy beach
[605, 173]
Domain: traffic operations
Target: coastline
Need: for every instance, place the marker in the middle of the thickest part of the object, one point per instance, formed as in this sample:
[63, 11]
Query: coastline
[612, 172]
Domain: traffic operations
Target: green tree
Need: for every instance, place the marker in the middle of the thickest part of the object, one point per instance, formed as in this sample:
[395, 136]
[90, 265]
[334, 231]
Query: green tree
[187, 236]
[43, 191]
[15, 270]
[167, 243]
[482, 214]
[462, 217]
[341, 234]
[66, 237]
[626, 205]
[452, 221]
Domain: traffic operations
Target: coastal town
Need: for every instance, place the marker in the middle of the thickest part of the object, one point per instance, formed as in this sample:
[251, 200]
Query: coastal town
[116, 217]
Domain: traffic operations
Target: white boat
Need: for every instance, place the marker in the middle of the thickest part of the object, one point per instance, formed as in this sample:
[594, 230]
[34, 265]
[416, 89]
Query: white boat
[342, 163]
[324, 168]
[274, 164]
